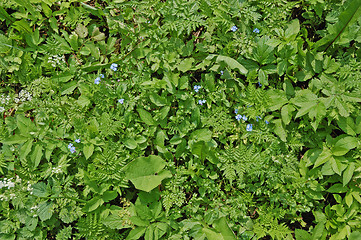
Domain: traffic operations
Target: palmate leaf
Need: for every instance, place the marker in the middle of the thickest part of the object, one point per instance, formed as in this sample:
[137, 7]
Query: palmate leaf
[346, 18]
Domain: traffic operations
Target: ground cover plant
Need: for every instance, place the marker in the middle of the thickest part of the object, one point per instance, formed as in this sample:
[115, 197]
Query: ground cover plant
[200, 119]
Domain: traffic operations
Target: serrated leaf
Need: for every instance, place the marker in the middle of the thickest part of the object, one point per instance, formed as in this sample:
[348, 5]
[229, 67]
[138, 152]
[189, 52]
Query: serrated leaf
[115, 221]
[45, 210]
[40, 189]
[15, 139]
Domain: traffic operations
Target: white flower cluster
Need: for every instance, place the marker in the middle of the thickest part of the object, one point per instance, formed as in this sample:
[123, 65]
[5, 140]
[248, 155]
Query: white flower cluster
[4, 101]
[7, 183]
[29, 188]
[56, 169]
[23, 96]
[56, 60]
[34, 209]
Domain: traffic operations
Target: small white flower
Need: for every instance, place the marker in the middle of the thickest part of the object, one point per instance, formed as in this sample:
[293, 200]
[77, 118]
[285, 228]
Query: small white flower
[2, 109]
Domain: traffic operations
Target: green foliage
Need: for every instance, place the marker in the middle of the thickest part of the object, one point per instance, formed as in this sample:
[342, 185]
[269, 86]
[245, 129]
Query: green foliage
[202, 119]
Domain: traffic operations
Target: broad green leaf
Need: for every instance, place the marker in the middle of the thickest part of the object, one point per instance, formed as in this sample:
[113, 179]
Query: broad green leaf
[325, 156]
[109, 195]
[347, 174]
[186, 64]
[221, 226]
[116, 221]
[301, 234]
[336, 165]
[355, 236]
[346, 19]
[277, 99]
[15, 139]
[149, 233]
[200, 149]
[232, 63]
[344, 145]
[157, 100]
[292, 30]
[93, 204]
[130, 143]
[146, 172]
[212, 235]
[318, 231]
[136, 233]
[36, 155]
[25, 149]
[337, 188]
[286, 113]
[146, 117]
[88, 150]
[40, 189]
[202, 135]
[280, 130]
[45, 210]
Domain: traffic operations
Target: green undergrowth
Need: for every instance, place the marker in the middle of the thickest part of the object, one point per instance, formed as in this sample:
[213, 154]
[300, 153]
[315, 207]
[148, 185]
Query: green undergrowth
[200, 119]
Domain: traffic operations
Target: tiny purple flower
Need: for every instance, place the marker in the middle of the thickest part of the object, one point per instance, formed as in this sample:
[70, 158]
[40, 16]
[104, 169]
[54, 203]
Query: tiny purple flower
[234, 28]
[196, 88]
[258, 117]
[121, 101]
[77, 140]
[114, 67]
[97, 80]
[101, 75]
[256, 30]
[201, 102]
[238, 117]
[221, 72]
[72, 150]
[235, 111]
[249, 127]
[259, 84]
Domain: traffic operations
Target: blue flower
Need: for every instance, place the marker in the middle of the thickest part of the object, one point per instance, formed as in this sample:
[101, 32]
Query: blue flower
[121, 101]
[258, 117]
[196, 88]
[259, 84]
[70, 145]
[97, 80]
[201, 102]
[77, 140]
[235, 111]
[244, 118]
[234, 28]
[101, 75]
[221, 72]
[238, 117]
[72, 149]
[114, 67]
[256, 30]
[249, 127]
[267, 122]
